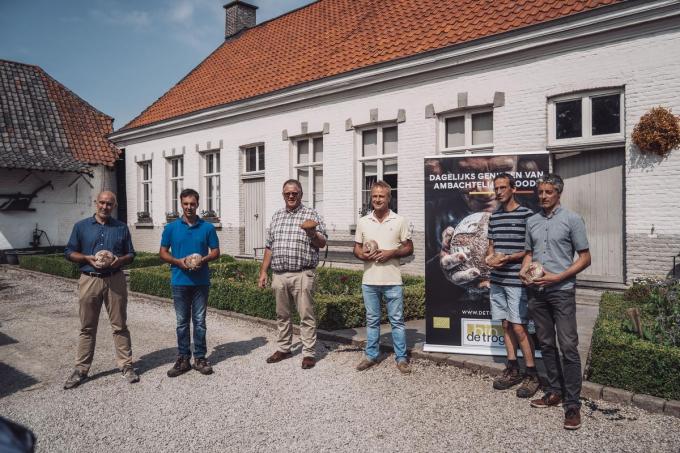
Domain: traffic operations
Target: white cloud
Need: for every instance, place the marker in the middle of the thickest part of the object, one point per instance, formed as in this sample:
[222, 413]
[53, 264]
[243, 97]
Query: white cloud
[134, 18]
[181, 12]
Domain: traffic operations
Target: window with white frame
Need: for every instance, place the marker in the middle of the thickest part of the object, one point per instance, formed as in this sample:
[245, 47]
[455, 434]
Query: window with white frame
[309, 169]
[378, 161]
[589, 117]
[145, 187]
[211, 177]
[176, 183]
[254, 159]
[467, 130]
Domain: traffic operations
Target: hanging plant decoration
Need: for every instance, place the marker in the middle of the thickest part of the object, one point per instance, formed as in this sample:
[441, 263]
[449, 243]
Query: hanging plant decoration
[657, 132]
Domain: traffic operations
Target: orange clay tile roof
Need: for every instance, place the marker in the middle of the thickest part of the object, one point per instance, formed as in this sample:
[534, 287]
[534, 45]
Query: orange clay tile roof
[331, 37]
[45, 126]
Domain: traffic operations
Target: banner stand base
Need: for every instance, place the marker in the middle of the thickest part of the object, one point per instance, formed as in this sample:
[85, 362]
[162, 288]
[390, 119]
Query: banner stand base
[471, 350]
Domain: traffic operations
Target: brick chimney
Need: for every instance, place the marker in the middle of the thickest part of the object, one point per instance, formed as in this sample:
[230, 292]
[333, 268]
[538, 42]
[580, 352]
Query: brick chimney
[239, 16]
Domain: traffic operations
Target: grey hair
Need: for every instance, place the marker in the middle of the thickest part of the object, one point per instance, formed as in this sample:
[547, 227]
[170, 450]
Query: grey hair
[553, 179]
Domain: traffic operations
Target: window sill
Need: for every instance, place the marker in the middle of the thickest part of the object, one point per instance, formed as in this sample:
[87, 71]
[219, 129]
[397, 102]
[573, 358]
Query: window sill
[144, 225]
[253, 175]
[468, 149]
[586, 145]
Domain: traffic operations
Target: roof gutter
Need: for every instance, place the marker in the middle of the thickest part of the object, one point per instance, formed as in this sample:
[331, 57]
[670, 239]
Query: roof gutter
[581, 25]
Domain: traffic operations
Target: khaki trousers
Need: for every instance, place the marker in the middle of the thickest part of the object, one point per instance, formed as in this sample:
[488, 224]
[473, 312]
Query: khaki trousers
[296, 287]
[112, 291]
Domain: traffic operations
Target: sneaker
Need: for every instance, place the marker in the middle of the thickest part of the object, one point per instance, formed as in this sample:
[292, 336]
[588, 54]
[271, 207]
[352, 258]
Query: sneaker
[75, 380]
[365, 364]
[180, 367]
[511, 377]
[130, 375]
[529, 387]
[202, 366]
[308, 362]
[572, 418]
[404, 367]
[547, 400]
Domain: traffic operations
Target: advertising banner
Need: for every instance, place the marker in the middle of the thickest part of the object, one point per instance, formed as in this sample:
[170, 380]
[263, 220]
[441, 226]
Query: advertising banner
[459, 200]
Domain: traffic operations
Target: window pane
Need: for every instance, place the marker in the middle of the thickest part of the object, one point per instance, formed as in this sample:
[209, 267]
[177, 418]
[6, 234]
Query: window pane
[390, 140]
[318, 188]
[455, 132]
[181, 167]
[369, 143]
[303, 177]
[251, 159]
[369, 177]
[318, 149]
[303, 151]
[146, 168]
[209, 163]
[606, 114]
[568, 119]
[260, 158]
[482, 128]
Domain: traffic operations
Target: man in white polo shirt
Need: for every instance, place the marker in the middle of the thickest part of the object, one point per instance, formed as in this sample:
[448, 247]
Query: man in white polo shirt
[382, 237]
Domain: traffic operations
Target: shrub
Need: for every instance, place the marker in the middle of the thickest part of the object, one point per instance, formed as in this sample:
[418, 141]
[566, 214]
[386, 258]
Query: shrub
[338, 300]
[621, 359]
[657, 132]
[50, 264]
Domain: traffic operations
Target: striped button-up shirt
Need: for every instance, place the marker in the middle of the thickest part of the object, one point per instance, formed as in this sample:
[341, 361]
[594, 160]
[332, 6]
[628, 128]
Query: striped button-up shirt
[291, 248]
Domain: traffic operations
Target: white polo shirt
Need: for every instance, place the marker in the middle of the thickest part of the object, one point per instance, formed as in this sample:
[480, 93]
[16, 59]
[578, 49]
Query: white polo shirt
[389, 235]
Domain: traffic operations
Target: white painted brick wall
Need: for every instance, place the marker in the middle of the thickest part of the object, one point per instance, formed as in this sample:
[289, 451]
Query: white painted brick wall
[648, 67]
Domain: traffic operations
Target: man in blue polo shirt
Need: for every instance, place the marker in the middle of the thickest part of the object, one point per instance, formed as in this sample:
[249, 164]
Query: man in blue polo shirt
[186, 236]
[101, 282]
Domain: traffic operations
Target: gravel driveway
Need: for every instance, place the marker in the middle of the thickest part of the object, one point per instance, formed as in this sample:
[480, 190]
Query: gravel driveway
[248, 405]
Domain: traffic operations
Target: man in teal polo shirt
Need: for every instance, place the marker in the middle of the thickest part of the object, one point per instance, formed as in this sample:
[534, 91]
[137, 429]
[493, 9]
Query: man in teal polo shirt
[186, 236]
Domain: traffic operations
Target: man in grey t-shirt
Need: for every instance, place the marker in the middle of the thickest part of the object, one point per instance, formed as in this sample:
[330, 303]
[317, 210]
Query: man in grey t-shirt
[553, 236]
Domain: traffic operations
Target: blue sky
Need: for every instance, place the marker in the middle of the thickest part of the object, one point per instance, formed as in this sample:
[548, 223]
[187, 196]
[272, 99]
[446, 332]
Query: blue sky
[118, 55]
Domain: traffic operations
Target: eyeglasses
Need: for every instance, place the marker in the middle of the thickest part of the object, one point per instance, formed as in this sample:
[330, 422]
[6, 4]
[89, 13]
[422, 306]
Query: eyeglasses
[291, 194]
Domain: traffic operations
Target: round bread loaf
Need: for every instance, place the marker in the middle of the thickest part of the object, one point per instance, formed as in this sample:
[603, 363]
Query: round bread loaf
[104, 258]
[309, 223]
[535, 270]
[193, 261]
[370, 246]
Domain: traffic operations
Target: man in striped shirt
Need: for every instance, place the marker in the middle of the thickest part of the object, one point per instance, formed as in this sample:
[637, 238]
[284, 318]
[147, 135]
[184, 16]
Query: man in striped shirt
[507, 233]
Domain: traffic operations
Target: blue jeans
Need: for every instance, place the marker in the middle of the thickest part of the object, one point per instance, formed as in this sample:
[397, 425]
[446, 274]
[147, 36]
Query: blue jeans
[394, 298]
[190, 306]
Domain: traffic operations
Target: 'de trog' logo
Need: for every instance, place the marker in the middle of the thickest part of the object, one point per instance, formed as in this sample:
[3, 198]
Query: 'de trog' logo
[482, 332]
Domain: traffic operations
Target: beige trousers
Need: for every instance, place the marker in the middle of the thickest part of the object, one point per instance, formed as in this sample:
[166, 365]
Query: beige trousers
[112, 291]
[296, 287]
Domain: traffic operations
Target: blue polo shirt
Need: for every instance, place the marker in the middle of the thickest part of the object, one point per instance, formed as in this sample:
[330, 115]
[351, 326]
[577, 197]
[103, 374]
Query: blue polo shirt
[183, 239]
[89, 236]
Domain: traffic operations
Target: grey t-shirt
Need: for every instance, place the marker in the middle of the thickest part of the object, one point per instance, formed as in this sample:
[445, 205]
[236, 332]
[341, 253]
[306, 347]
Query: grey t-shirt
[554, 241]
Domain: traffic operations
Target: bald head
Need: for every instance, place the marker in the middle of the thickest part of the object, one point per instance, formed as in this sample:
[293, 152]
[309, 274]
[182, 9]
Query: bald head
[107, 194]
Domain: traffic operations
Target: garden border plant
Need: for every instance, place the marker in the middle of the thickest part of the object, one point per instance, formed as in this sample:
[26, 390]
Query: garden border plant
[338, 300]
[621, 358]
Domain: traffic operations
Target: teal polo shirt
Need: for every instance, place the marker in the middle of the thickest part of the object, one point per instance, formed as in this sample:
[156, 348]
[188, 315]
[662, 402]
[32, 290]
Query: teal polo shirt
[183, 239]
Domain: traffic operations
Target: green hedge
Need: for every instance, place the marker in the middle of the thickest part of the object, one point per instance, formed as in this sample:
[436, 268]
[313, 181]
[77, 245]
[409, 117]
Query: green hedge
[338, 300]
[621, 359]
[57, 264]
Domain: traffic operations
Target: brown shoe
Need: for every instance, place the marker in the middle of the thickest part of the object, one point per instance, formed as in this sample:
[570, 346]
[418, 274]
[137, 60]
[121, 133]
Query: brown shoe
[202, 366]
[529, 387]
[511, 377]
[404, 367]
[365, 364]
[547, 400]
[572, 418]
[308, 362]
[181, 366]
[278, 356]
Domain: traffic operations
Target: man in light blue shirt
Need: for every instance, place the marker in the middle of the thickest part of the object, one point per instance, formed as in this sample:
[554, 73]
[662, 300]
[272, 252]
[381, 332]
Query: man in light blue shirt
[553, 236]
[190, 282]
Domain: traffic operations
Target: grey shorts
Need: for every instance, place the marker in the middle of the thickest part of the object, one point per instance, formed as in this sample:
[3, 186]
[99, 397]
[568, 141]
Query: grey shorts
[508, 303]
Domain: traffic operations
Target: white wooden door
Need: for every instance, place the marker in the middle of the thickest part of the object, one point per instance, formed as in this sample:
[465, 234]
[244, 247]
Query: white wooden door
[254, 215]
[594, 187]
